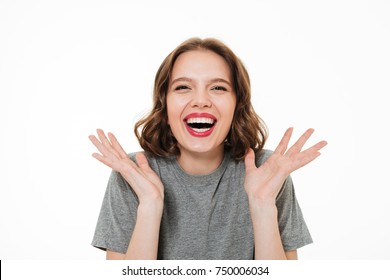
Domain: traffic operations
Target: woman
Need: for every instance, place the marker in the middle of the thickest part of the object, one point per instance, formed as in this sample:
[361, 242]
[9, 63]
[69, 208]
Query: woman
[204, 188]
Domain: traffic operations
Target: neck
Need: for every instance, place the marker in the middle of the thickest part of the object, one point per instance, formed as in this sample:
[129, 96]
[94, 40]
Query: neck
[201, 163]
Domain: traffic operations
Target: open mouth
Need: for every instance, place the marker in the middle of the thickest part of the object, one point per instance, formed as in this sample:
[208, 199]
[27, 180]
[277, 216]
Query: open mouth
[200, 124]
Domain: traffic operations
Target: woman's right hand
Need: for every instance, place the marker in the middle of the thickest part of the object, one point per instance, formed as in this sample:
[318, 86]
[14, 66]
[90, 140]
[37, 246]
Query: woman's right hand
[143, 180]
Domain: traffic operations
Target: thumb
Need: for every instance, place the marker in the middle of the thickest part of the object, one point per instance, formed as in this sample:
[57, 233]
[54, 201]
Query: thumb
[142, 162]
[250, 160]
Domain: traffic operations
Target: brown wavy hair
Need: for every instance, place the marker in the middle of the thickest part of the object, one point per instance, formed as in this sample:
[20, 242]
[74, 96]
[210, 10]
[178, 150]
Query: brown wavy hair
[248, 129]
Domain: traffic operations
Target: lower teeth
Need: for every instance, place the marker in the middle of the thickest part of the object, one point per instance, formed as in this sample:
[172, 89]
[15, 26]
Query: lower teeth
[201, 129]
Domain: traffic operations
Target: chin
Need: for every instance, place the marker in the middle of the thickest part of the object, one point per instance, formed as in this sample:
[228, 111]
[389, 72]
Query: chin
[201, 149]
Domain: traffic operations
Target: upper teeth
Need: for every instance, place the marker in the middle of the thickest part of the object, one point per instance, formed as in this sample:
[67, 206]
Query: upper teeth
[200, 120]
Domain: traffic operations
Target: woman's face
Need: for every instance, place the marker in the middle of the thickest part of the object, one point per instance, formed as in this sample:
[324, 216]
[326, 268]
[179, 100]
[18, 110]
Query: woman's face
[200, 102]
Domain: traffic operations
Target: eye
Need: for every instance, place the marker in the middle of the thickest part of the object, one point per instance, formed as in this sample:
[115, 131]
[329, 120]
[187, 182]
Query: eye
[219, 88]
[181, 88]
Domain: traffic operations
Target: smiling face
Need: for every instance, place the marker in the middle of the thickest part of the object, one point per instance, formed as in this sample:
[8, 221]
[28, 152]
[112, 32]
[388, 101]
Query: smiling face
[200, 103]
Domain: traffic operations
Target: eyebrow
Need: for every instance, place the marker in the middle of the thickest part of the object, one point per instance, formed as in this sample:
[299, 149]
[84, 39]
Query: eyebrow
[185, 79]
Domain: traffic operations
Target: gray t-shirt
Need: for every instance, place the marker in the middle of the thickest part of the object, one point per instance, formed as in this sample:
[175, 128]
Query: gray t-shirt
[204, 217]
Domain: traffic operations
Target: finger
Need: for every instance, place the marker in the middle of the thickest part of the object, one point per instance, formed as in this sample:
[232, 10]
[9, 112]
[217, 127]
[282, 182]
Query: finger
[117, 146]
[283, 144]
[316, 147]
[143, 163]
[94, 140]
[103, 159]
[101, 148]
[103, 138]
[305, 159]
[297, 147]
[310, 154]
[250, 160]
[136, 176]
[99, 157]
[106, 142]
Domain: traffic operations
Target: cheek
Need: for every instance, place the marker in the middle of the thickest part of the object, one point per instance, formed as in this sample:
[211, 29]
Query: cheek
[170, 109]
[175, 107]
[173, 113]
[227, 107]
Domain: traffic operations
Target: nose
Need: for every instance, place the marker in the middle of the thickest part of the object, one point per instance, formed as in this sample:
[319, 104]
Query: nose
[201, 99]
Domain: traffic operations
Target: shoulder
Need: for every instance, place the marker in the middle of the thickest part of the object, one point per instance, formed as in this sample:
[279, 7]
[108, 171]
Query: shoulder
[155, 162]
[150, 157]
[133, 154]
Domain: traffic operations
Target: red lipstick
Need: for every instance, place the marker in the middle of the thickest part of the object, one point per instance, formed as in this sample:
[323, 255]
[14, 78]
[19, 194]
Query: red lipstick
[200, 124]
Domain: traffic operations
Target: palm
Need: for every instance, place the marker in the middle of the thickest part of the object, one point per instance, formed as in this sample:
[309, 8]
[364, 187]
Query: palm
[144, 181]
[266, 180]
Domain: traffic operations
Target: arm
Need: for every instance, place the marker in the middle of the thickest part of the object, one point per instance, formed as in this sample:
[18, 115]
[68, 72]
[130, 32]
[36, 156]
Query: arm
[292, 255]
[144, 240]
[150, 192]
[268, 244]
[263, 185]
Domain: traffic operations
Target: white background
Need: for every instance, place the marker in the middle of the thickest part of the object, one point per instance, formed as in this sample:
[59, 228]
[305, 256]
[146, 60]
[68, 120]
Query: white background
[68, 67]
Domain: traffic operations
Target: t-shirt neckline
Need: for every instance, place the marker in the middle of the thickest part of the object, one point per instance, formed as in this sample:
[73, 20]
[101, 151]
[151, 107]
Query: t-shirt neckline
[204, 178]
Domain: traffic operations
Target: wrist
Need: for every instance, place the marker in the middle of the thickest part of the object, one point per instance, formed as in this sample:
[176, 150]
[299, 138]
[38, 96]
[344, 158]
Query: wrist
[262, 205]
[149, 208]
[264, 200]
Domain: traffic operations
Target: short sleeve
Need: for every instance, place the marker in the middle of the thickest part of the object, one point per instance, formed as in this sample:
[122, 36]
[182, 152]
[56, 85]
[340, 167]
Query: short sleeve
[117, 216]
[292, 226]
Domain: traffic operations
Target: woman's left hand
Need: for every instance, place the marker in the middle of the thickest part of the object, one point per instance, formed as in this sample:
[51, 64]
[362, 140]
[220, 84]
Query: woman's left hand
[264, 182]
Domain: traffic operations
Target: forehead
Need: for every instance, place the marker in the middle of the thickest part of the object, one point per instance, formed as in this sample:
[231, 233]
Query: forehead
[201, 64]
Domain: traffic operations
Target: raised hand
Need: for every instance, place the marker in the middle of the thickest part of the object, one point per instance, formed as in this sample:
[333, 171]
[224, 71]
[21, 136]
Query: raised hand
[143, 180]
[265, 182]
